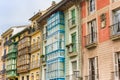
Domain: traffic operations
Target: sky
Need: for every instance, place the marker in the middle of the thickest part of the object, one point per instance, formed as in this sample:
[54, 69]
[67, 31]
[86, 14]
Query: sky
[18, 12]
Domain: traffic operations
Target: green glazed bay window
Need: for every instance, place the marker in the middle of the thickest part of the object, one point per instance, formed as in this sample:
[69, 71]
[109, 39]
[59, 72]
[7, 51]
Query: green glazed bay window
[11, 64]
[73, 36]
[12, 48]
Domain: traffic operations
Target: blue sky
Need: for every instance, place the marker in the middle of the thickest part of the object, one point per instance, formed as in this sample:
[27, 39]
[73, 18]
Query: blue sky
[17, 12]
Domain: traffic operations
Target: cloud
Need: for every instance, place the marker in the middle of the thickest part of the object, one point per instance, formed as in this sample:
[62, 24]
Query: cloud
[17, 12]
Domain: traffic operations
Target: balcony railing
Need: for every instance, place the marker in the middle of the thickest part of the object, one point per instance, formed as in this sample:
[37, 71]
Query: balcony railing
[92, 77]
[35, 47]
[35, 64]
[115, 75]
[72, 51]
[24, 45]
[7, 42]
[23, 51]
[91, 40]
[73, 77]
[24, 68]
[72, 22]
[91, 9]
[115, 31]
[3, 57]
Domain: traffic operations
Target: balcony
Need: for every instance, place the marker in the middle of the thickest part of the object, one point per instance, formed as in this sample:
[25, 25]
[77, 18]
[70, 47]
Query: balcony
[74, 76]
[23, 68]
[92, 77]
[71, 51]
[35, 64]
[3, 57]
[35, 47]
[115, 75]
[23, 51]
[72, 22]
[8, 42]
[91, 40]
[115, 31]
[23, 45]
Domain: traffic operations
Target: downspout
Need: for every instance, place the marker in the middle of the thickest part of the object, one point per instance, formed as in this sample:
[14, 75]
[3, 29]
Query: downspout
[77, 3]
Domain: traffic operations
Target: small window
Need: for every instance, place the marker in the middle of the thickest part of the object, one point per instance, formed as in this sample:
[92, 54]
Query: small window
[74, 66]
[37, 76]
[73, 36]
[73, 16]
[22, 77]
[91, 6]
[27, 77]
[32, 76]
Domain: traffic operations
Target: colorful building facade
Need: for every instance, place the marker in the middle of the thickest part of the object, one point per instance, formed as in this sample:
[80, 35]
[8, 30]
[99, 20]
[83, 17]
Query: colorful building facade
[36, 48]
[23, 56]
[6, 40]
[100, 42]
[55, 48]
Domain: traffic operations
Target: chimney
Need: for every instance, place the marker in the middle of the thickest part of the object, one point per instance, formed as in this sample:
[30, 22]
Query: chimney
[53, 3]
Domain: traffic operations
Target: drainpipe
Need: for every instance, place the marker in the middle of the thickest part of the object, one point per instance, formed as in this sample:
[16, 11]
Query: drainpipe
[77, 3]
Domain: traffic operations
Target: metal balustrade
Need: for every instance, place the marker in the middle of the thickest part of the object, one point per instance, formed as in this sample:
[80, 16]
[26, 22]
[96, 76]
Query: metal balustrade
[115, 30]
[35, 47]
[91, 39]
[35, 64]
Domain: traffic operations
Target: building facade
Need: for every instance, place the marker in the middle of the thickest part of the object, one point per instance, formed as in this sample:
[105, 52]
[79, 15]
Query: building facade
[36, 48]
[1, 63]
[5, 44]
[23, 56]
[100, 42]
[72, 42]
[11, 58]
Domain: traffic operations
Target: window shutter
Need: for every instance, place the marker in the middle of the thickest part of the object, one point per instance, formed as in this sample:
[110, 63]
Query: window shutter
[89, 69]
[116, 65]
[96, 68]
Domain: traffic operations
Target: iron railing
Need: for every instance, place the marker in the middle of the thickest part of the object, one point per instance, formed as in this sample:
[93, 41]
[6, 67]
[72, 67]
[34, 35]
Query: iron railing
[35, 46]
[115, 29]
[24, 45]
[72, 77]
[23, 68]
[91, 38]
[35, 64]
[115, 75]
